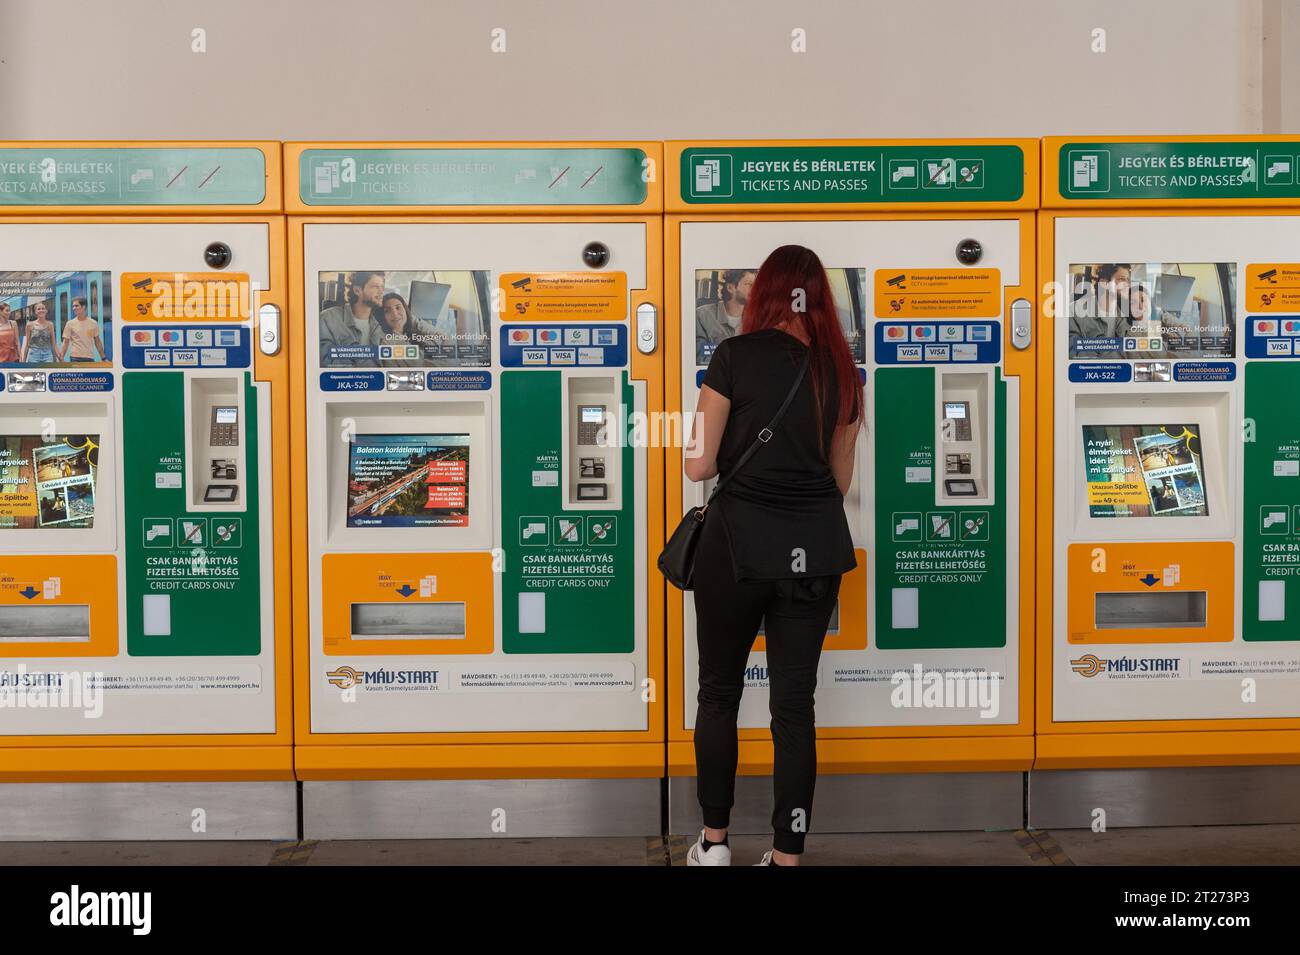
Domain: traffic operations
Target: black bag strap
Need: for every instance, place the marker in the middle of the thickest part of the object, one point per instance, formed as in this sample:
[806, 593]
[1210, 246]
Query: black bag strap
[765, 435]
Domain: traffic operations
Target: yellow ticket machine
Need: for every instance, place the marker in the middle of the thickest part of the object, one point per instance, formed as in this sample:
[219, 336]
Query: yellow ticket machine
[479, 626]
[144, 564]
[1169, 470]
[924, 716]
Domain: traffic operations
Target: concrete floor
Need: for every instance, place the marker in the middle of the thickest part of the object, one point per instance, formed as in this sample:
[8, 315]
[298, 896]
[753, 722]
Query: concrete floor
[1208, 845]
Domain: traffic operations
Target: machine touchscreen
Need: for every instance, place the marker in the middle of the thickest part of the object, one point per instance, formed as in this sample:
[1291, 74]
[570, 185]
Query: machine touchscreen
[408, 480]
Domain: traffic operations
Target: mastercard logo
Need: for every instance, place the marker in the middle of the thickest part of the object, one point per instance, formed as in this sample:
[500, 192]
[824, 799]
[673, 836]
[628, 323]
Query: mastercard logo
[519, 335]
[142, 338]
[895, 332]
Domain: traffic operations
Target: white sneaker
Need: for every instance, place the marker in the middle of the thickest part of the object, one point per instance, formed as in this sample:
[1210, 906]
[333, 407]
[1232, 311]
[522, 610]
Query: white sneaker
[767, 858]
[718, 855]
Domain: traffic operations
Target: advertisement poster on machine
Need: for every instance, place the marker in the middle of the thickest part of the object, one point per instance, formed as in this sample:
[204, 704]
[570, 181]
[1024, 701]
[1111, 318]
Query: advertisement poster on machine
[404, 319]
[48, 483]
[56, 319]
[1156, 311]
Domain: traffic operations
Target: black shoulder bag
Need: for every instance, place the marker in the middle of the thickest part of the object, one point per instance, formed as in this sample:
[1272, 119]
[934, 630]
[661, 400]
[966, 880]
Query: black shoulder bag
[677, 562]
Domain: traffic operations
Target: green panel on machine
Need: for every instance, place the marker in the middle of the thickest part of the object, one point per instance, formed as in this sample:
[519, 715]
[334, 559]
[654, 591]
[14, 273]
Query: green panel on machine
[140, 176]
[205, 567]
[953, 556]
[1172, 170]
[956, 172]
[583, 561]
[1271, 556]
[411, 176]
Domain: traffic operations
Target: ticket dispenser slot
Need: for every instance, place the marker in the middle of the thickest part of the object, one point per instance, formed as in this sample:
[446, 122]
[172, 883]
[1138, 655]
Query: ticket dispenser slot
[832, 626]
[216, 452]
[593, 458]
[64, 623]
[407, 621]
[1155, 611]
[964, 437]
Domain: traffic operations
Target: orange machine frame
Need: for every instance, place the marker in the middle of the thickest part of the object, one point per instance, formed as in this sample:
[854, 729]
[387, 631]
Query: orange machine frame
[846, 750]
[1128, 743]
[478, 755]
[185, 757]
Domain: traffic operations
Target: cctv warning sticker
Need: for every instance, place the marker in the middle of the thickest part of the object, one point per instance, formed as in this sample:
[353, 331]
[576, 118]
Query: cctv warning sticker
[564, 296]
[938, 293]
[178, 296]
[1273, 287]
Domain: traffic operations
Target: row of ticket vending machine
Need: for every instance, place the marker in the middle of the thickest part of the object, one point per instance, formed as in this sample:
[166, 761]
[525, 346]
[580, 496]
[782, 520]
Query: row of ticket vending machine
[333, 478]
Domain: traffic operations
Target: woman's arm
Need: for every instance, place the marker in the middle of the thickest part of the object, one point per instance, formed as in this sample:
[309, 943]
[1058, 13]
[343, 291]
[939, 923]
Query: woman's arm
[710, 420]
[843, 443]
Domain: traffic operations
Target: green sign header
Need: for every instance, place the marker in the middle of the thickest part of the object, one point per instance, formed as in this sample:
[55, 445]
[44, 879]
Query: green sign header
[162, 176]
[473, 177]
[1179, 170]
[843, 174]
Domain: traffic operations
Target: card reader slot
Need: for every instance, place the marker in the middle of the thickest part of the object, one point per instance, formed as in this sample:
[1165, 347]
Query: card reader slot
[592, 457]
[408, 621]
[1181, 609]
[61, 623]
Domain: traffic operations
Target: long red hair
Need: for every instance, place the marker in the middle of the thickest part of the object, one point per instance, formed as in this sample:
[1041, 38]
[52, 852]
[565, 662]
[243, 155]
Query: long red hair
[791, 289]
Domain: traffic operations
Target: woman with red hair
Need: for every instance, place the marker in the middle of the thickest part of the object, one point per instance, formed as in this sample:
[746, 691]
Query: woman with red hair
[775, 541]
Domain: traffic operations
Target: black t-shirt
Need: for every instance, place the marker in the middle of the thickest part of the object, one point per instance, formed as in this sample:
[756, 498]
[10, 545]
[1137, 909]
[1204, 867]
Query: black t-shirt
[783, 512]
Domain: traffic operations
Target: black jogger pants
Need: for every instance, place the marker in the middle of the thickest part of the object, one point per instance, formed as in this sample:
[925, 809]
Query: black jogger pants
[794, 615]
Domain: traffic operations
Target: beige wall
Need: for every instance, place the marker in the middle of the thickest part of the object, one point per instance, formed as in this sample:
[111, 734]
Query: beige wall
[423, 69]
